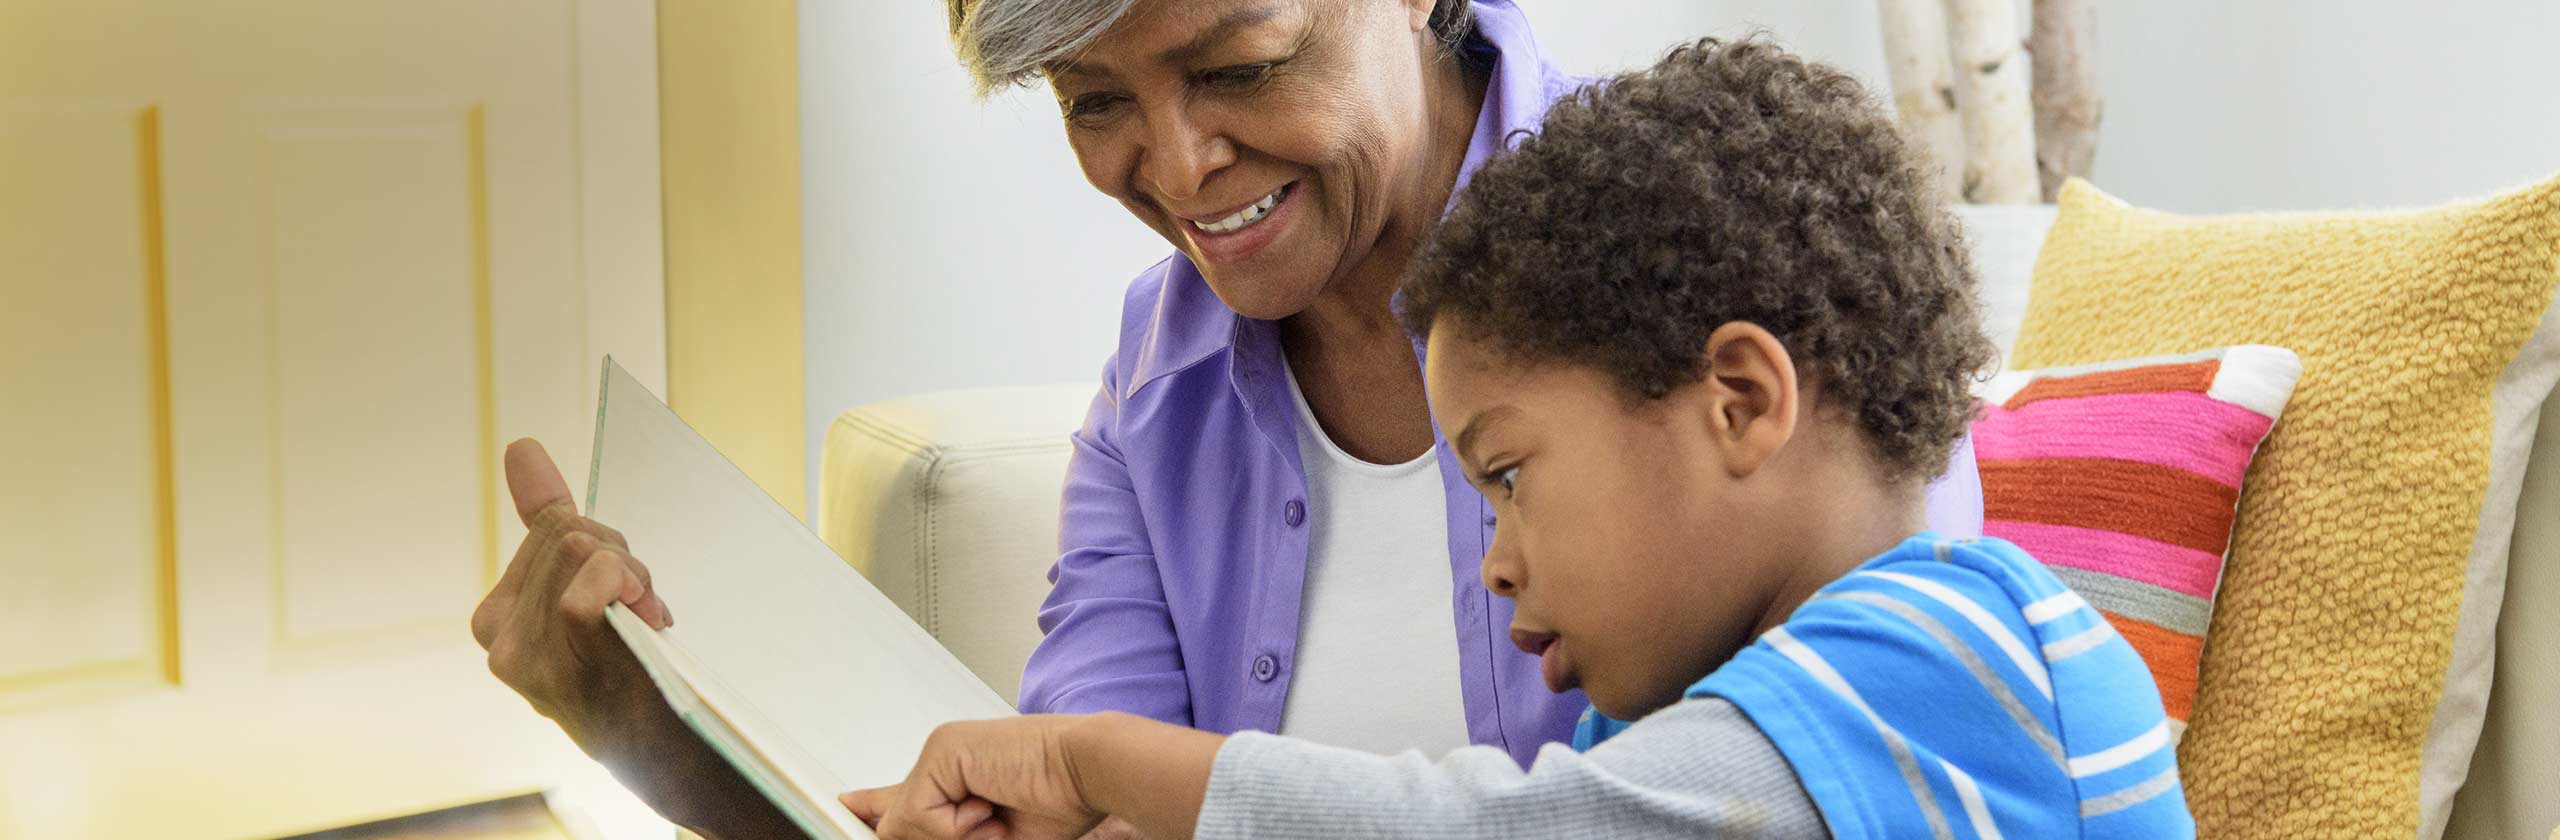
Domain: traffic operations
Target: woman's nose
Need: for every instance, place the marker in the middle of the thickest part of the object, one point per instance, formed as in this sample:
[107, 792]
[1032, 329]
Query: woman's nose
[1181, 154]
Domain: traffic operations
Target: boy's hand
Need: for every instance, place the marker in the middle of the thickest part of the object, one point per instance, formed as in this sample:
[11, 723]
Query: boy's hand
[979, 780]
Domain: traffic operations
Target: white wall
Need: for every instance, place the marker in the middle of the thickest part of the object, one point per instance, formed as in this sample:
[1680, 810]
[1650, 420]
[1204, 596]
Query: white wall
[2218, 106]
[953, 244]
[947, 243]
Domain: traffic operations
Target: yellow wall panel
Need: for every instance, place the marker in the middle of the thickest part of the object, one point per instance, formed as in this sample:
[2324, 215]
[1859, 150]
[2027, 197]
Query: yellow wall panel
[84, 478]
[377, 273]
[730, 141]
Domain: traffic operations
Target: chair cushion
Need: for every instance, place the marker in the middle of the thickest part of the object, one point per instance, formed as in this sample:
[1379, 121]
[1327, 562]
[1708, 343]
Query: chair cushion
[949, 503]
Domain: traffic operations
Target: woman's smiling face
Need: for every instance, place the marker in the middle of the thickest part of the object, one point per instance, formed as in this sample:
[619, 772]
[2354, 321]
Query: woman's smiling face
[1272, 141]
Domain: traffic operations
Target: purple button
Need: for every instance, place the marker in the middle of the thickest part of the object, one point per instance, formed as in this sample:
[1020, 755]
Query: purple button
[1265, 667]
[1295, 513]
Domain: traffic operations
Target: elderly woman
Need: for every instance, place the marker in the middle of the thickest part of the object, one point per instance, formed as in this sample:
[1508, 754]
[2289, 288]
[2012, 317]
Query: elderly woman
[1262, 528]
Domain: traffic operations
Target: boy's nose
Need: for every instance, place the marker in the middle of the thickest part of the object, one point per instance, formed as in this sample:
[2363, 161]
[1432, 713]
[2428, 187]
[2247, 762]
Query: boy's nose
[1501, 568]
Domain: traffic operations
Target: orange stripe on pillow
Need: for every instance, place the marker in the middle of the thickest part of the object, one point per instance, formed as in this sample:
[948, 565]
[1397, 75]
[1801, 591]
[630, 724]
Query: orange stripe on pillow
[2172, 656]
[2148, 379]
[2129, 497]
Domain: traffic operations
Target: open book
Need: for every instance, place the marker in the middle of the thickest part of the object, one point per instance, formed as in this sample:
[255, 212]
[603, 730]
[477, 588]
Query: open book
[785, 659]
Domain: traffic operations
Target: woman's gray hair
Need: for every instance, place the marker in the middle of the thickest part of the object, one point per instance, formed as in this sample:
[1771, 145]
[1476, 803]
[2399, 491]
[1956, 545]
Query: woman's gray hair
[1007, 42]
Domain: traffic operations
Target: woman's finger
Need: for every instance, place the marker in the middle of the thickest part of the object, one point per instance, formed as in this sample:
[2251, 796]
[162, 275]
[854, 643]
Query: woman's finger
[867, 803]
[599, 582]
[536, 486]
[543, 591]
[603, 532]
[941, 807]
[989, 830]
[651, 608]
[535, 482]
[973, 817]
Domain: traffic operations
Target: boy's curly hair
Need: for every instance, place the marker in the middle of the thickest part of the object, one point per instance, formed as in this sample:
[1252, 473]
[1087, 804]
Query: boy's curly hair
[1729, 182]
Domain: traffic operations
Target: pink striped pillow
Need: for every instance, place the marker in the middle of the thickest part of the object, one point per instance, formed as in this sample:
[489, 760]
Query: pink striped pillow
[2124, 478]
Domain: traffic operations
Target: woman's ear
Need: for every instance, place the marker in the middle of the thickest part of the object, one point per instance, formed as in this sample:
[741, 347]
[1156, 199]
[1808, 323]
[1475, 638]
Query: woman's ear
[1418, 14]
[1749, 396]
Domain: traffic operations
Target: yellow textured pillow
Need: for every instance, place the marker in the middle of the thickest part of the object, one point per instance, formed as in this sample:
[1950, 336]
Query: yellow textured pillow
[2344, 689]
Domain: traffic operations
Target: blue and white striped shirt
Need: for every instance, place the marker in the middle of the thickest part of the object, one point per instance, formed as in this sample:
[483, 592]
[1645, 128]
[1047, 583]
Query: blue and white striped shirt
[1956, 687]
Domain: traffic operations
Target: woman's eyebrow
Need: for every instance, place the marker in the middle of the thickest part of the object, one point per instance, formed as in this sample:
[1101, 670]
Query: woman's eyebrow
[1182, 52]
[1070, 68]
[1210, 37]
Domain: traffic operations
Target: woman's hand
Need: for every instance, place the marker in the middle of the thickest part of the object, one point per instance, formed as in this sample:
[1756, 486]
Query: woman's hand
[543, 624]
[979, 780]
[544, 628]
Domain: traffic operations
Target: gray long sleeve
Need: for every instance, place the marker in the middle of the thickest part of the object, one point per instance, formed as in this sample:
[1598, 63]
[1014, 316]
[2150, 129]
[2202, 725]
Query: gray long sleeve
[1696, 769]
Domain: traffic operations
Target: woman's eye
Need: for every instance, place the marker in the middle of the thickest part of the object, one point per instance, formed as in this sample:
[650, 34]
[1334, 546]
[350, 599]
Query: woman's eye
[1507, 478]
[1091, 106]
[1238, 76]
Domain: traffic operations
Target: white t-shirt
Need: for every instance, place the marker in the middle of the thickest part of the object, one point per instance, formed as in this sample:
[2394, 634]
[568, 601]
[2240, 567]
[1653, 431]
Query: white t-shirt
[1377, 661]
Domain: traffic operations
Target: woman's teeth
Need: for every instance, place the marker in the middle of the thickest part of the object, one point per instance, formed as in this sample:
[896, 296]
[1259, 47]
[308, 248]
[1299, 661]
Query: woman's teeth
[1246, 217]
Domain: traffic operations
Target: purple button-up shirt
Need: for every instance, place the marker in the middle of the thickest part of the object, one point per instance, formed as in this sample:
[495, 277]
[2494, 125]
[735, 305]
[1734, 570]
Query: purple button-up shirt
[1179, 588]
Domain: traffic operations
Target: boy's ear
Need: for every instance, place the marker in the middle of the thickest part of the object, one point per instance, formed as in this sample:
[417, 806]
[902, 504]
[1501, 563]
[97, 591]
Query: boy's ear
[1749, 395]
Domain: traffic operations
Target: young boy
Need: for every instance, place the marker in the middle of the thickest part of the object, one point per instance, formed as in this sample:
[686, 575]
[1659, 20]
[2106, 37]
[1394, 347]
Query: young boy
[1702, 341]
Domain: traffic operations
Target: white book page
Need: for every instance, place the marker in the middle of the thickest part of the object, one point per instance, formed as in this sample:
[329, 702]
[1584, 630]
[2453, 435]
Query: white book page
[675, 677]
[816, 673]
